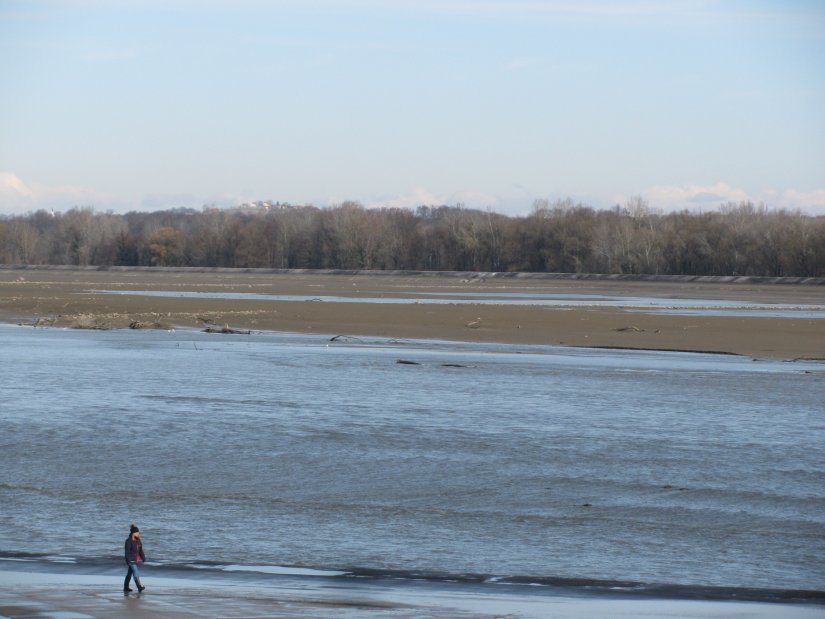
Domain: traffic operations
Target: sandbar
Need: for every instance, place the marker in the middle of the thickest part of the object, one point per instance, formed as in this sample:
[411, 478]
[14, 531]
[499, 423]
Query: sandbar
[63, 297]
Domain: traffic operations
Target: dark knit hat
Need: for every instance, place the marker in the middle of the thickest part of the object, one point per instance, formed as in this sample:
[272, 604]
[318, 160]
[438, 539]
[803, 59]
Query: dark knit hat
[133, 529]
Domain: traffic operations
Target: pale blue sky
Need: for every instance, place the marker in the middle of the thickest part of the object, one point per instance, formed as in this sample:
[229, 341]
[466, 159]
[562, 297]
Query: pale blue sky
[157, 104]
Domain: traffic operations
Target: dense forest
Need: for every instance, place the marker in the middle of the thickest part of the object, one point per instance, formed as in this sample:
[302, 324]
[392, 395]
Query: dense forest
[736, 239]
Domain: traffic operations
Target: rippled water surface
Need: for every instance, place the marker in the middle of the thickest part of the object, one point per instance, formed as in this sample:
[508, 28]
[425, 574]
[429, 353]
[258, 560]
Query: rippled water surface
[281, 449]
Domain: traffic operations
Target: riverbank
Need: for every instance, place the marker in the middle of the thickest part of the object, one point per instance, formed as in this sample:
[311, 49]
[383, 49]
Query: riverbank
[586, 312]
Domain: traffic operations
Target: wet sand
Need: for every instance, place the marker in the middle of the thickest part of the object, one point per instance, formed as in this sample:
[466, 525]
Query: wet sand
[65, 298]
[69, 595]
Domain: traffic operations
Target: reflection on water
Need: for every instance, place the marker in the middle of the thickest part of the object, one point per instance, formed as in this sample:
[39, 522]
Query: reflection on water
[281, 449]
[696, 307]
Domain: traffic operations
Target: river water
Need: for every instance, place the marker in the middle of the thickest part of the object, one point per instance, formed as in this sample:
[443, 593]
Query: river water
[649, 305]
[517, 463]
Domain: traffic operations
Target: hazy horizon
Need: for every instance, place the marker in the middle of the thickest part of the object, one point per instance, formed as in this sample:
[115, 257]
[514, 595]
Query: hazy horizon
[149, 105]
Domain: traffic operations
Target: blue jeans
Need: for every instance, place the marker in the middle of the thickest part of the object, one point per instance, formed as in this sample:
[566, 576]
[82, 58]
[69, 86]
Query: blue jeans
[133, 571]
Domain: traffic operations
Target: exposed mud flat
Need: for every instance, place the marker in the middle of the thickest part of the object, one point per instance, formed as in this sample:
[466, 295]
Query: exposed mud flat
[72, 298]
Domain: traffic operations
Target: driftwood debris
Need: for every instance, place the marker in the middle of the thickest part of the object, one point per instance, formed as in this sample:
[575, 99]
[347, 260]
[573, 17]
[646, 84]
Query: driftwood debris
[443, 365]
[227, 329]
[137, 324]
[345, 338]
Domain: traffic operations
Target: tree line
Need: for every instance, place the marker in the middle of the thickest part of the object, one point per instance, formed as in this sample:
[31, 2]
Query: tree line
[556, 237]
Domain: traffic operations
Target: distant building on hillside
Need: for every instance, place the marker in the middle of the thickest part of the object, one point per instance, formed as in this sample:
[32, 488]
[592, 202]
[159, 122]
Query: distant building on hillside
[262, 206]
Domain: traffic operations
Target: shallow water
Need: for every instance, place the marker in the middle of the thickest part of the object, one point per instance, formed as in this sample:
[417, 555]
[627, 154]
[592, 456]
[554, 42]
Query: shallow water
[649, 305]
[280, 449]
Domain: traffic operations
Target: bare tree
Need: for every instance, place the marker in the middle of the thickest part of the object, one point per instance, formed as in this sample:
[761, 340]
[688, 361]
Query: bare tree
[564, 236]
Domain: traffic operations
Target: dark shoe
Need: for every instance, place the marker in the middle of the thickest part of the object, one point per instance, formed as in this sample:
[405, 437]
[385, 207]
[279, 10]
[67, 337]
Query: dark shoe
[127, 590]
[140, 589]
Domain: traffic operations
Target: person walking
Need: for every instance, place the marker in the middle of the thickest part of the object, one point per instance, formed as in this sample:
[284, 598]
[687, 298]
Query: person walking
[134, 555]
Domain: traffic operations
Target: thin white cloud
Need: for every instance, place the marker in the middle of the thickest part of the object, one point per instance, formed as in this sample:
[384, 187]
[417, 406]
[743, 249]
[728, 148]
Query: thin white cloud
[424, 197]
[474, 199]
[695, 197]
[412, 199]
[692, 196]
[807, 201]
[666, 198]
[17, 196]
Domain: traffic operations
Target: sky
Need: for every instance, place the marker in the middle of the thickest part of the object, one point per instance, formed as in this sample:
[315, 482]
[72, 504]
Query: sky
[493, 104]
